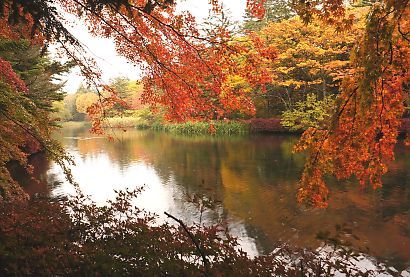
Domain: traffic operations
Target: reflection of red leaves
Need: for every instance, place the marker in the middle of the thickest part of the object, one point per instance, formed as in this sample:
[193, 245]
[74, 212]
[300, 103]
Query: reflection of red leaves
[212, 129]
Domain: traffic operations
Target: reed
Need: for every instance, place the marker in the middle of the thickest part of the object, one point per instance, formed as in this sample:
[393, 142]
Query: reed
[201, 128]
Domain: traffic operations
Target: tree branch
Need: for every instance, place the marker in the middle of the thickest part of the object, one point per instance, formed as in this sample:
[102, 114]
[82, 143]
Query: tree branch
[198, 248]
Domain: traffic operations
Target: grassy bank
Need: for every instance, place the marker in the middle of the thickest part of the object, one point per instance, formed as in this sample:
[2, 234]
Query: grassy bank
[213, 127]
[75, 124]
[126, 122]
[203, 128]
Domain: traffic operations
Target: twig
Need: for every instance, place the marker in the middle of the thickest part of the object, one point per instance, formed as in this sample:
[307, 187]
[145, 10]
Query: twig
[204, 259]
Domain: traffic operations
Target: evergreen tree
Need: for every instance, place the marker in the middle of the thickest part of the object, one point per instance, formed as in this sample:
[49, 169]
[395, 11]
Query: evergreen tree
[39, 73]
[28, 85]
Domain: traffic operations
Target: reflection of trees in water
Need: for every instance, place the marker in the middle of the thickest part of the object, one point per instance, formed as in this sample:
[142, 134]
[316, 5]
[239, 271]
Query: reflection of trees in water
[255, 179]
[239, 173]
[37, 183]
[122, 151]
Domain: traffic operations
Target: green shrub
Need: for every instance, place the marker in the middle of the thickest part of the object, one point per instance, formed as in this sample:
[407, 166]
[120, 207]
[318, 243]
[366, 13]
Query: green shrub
[309, 113]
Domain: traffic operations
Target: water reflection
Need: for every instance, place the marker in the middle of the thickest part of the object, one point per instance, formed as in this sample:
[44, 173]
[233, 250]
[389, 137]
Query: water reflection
[252, 182]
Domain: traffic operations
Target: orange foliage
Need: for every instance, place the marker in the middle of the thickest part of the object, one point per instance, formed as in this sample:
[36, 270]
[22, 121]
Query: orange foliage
[364, 132]
[184, 70]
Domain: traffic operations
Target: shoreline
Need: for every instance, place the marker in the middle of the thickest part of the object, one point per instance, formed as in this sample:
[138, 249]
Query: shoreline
[247, 126]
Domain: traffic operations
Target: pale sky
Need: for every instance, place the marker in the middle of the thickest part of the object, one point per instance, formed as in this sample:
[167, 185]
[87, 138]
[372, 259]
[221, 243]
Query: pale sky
[112, 65]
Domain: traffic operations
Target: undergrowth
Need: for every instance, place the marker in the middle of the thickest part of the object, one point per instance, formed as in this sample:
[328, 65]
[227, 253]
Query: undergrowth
[77, 237]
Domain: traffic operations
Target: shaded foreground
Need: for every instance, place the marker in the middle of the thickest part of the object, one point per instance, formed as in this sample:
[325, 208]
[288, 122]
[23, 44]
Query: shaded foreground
[75, 236]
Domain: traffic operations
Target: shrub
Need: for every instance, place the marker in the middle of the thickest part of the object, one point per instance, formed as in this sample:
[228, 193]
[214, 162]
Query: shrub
[77, 237]
[309, 113]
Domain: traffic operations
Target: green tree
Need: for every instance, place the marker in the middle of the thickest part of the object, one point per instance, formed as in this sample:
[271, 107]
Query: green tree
[61, 113]
[124, 92]
[35, 68]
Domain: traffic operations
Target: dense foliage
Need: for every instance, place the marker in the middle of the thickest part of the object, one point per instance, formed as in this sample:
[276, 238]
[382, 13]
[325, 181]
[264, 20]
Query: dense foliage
[275, 11]
[311, 60]
[77, 237]
[172, 49]
[361, 137]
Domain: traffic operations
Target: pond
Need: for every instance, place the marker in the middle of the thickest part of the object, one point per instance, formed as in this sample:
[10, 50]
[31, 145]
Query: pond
[247, 183]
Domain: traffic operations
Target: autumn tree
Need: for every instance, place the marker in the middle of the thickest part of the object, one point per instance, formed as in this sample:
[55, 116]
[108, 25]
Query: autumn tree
[61, 113]
[69, 105]
[312, 59]
[84, 101]
[129, 92]
[309, 112]
[361, 137]
[168, 46]
[136, 88]
[171, 50]
[183, 71]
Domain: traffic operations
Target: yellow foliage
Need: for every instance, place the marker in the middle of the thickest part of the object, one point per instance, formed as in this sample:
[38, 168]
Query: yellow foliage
[311, 57]
[85, 100]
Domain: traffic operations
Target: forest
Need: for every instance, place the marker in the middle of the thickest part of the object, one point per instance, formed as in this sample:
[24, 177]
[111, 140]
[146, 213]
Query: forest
[320, 87]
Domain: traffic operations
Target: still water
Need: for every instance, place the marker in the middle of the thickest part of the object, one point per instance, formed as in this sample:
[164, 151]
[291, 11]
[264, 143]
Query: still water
[247, 183]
